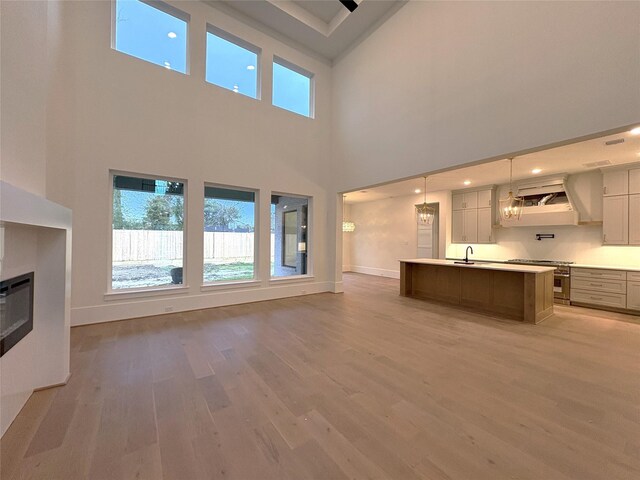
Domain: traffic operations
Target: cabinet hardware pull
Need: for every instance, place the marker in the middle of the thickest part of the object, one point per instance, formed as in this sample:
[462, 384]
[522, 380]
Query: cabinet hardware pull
[595, 284]
[595, 298]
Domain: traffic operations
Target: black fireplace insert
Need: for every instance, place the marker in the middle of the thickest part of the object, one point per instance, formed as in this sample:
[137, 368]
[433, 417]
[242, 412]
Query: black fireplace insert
[16, 310]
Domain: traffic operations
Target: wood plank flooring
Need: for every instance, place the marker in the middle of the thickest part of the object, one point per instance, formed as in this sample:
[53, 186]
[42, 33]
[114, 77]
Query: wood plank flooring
[364, 385]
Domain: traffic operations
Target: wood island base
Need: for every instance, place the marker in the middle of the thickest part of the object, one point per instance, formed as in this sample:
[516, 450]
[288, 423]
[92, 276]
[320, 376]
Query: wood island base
[513, 293]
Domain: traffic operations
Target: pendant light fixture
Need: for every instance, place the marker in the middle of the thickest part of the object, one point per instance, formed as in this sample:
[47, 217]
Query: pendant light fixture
[425, 213]
[347, 226]
[511, 207]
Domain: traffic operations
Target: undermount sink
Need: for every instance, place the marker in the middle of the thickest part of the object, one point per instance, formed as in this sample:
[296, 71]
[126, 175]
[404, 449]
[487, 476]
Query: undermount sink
[464, 263]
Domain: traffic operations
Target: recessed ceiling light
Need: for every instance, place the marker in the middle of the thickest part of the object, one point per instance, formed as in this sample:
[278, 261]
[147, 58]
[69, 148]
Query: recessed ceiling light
[172, 35]
[250, 67]
[536, 171]
[635, 131]
[167, 65]
[235, 88]
[417, 190]
[467, 182]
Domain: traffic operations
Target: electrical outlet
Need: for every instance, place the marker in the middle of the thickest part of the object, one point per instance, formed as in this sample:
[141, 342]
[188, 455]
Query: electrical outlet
[168, 309]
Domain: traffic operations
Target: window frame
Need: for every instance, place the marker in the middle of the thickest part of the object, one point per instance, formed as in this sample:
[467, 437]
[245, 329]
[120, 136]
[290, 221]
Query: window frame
[169, 10]
[256, 236]
[309, 243]
[239, 42]
[304, 72]
[154, 290]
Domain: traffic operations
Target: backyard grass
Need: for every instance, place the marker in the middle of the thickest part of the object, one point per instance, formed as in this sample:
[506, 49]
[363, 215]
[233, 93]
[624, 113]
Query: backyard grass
[148, 275]
[227, 271]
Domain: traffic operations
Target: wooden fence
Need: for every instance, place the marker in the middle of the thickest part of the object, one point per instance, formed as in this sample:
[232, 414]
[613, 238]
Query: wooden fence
[148, 245]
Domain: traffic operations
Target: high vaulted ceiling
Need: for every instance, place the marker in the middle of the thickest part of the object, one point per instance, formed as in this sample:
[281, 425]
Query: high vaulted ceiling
[573, 158]
[324, 27]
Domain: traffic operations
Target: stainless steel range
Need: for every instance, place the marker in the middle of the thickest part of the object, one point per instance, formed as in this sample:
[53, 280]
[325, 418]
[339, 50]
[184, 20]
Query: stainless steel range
[561, 276]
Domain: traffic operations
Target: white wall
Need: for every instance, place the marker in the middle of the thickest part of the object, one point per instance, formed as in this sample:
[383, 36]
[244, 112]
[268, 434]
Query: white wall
[386, 231]
[446, 83]
[125, 114]
[23, 92]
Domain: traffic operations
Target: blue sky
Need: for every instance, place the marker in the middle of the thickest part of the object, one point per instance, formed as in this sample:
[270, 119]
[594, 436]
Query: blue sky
[229, 66]
[157, 37]
[291, 90]
[148, 33]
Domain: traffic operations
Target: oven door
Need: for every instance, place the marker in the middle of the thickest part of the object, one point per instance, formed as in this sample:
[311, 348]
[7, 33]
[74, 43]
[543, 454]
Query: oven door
[561, 287]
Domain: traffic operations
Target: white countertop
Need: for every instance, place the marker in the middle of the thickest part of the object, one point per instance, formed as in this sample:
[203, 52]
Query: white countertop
[605, 267]
[507, 267]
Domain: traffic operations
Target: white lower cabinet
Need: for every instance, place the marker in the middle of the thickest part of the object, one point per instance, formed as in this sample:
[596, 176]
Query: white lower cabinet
[617, 289]
[633, 295]
[604, 299]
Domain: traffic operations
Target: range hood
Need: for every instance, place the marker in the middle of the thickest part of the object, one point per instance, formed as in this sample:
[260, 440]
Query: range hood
[546, 203]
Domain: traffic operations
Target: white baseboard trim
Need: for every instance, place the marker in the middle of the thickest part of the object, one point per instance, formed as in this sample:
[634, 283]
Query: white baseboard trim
[114, 311]
[380, 272]
[54, 385]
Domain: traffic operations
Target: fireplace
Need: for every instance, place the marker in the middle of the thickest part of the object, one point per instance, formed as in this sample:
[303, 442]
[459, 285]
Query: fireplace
[16, 310]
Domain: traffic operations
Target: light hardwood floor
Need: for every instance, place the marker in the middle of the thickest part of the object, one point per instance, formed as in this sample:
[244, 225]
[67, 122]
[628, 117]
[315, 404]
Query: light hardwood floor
[362, 385]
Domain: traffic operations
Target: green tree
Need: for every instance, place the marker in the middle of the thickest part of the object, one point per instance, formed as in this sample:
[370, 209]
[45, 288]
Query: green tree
[158, 213]
[118, 215]
[220, 216]
[177, 209]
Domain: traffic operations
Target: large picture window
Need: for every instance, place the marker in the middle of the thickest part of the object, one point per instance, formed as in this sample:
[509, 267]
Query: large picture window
[152, 31]
[229, 234]
[289, 235]
[147, 232]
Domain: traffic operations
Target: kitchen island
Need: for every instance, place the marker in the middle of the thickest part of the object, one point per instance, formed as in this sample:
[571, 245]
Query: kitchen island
[520, 292]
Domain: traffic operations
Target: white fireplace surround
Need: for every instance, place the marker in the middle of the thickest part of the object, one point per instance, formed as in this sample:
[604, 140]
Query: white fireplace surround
[35, 235]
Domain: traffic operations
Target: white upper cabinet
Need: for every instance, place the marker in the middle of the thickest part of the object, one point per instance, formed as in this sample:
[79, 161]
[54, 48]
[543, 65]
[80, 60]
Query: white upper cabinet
[615, 225]
[471, 200]
[473, 216]
[471, 225]
[462, 201]
[485, 223]
[634, 180]
[457, 226]
[615, 182]
[484, 198]
[457, 201]
[634, 219]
